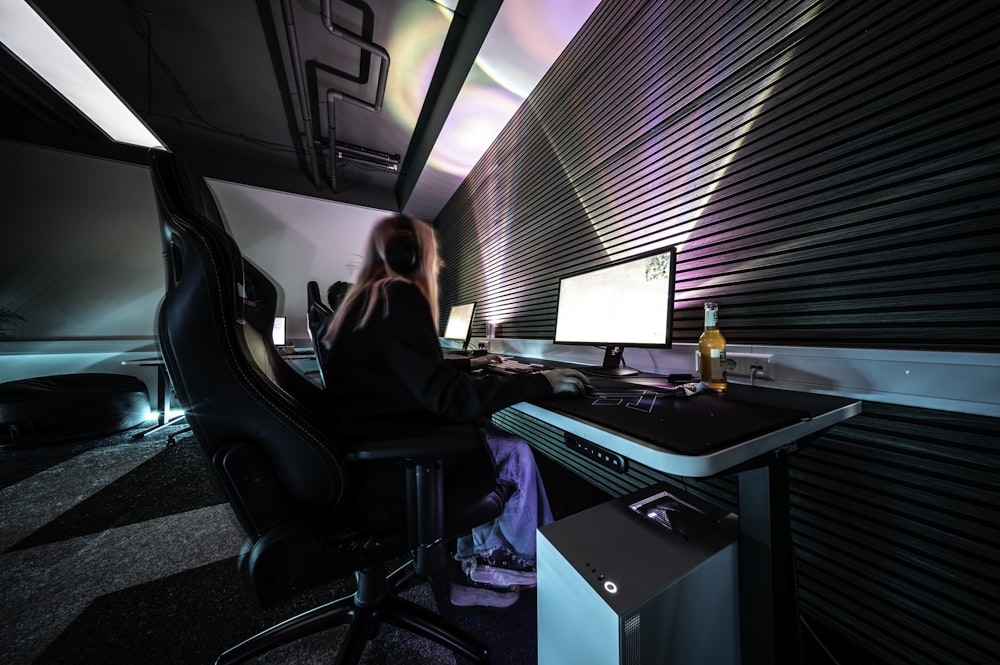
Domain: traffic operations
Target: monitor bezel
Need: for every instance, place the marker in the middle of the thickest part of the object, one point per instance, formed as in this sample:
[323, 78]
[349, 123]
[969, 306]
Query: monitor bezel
[669, 330]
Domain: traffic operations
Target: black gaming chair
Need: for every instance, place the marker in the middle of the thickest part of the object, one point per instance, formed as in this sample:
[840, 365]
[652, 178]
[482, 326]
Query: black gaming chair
[319, 316]
[296, 488]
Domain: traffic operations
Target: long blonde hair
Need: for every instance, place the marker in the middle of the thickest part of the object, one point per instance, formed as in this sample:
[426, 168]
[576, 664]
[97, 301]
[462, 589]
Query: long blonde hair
[376, 272]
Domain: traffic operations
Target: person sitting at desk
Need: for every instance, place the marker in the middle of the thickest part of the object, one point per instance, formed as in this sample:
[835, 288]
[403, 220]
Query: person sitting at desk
[335, 294]
[388, 369]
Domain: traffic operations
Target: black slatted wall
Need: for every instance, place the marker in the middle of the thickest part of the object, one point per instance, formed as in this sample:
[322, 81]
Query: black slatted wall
[895, 522]
[829, 172]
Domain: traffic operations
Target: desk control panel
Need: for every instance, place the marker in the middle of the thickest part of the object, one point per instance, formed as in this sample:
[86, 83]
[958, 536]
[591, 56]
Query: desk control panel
[602, 456]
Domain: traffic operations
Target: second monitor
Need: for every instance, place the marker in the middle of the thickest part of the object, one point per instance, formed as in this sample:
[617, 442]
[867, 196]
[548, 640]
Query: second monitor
[626, 303]
[278, 331]
[459, 325]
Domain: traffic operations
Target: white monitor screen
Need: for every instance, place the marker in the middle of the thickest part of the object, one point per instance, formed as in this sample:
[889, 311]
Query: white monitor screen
[278, 331]
[627, 303]
[459, 326]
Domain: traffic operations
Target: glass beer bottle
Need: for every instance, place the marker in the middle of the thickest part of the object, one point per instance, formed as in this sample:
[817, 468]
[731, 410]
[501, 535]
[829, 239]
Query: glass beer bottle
[712, 351]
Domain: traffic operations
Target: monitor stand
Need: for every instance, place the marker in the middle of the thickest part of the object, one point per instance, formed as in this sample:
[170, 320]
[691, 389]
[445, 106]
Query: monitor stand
[613, 363]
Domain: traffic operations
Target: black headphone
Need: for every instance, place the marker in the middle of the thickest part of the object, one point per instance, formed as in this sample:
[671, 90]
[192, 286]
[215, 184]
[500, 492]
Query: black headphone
[401, 251]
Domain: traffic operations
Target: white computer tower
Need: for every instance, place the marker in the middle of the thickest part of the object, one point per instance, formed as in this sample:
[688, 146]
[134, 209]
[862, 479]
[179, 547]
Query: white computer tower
[625, 582]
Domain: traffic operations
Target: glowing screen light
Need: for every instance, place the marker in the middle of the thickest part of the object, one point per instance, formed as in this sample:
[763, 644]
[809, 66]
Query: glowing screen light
[417, 37]
[471, 127]
[525, 39]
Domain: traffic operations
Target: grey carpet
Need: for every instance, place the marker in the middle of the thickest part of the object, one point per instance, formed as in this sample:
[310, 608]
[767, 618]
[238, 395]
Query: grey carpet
[123, 550]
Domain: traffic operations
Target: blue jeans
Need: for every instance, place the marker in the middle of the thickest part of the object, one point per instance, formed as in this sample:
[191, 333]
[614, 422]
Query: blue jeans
[525, 510]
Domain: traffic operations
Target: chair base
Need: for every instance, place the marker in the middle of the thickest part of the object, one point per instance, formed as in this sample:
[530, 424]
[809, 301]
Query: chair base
[374, 603]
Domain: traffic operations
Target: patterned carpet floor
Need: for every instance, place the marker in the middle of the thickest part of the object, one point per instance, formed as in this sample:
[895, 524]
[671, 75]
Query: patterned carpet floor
[124, 550]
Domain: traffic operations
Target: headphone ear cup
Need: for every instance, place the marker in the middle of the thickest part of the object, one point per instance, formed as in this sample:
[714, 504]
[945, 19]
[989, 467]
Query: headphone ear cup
[401, 254]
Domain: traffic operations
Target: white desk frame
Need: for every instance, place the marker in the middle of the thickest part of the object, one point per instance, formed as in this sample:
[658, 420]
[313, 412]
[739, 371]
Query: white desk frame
[769, 616]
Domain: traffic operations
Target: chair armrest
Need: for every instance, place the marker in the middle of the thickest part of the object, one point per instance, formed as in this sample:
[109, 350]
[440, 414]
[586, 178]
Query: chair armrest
[415, 444]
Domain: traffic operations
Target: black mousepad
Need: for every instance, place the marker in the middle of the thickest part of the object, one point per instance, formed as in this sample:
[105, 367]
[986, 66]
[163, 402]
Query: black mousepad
[696, 425]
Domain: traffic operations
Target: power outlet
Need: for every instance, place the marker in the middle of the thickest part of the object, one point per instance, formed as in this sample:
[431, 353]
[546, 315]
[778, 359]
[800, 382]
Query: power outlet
[746, 364]
[477, 343]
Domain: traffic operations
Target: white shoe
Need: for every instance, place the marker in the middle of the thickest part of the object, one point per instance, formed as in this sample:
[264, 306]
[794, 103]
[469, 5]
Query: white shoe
[482, 595]
[501, 569]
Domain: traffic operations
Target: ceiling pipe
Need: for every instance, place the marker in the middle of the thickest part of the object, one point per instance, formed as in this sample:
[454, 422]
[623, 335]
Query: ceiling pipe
[312, 149]
[348, 151]
[366, 46]
[307, 125]
[352, 152]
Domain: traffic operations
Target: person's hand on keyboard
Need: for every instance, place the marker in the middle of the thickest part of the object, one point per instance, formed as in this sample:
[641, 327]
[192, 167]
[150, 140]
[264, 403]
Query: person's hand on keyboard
[479, 362]
[566, 381]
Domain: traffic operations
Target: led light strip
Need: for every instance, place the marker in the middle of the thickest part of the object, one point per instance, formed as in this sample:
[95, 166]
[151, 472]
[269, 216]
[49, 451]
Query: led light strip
[29, 37]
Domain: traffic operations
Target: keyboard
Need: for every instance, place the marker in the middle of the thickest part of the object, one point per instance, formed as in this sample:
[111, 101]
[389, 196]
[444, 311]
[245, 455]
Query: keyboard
[514, 366]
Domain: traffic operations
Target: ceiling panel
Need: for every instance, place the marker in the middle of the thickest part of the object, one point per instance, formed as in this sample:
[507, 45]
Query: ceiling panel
[245, 90]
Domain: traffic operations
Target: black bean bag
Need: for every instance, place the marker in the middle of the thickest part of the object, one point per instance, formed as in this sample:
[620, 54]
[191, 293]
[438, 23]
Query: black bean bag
[70, 407]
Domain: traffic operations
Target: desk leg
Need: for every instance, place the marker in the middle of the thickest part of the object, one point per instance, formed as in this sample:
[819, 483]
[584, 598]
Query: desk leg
[162, 394]
[769, 616]
[162, 402]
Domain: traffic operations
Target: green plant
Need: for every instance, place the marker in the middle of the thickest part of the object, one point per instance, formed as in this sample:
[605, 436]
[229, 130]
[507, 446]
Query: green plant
[9, 320]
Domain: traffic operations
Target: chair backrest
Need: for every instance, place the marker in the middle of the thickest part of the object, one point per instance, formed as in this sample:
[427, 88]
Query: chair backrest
[214, 331]
[319, 317]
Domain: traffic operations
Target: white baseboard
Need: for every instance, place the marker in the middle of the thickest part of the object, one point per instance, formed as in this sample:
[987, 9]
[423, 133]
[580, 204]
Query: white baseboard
[958, 382]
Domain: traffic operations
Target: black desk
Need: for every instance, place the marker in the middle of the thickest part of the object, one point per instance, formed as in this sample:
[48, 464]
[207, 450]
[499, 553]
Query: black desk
[749, 431]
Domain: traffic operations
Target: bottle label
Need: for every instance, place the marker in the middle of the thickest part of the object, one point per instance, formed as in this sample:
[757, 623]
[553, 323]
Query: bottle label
[718, 369]
[711, 318]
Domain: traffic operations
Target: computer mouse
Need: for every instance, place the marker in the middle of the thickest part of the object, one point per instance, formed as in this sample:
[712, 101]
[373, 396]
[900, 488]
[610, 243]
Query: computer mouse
[589, 390]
